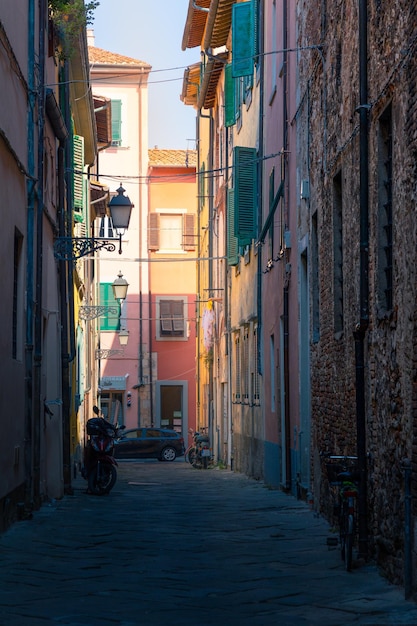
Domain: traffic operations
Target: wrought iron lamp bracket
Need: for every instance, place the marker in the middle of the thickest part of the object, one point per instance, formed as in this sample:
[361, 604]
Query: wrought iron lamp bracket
[92, 312]
[72, 248]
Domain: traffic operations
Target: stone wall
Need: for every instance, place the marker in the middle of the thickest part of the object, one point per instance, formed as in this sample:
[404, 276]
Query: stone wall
[332, 78]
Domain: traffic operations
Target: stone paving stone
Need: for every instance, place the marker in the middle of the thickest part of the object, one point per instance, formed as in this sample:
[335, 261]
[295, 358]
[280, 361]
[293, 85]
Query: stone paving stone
[173, 545]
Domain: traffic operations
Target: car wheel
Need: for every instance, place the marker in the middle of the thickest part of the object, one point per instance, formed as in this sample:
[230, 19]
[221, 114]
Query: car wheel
[168, 454]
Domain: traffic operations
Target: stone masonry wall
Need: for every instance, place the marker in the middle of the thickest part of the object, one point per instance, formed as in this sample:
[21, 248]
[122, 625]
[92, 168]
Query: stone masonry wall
[391, 339]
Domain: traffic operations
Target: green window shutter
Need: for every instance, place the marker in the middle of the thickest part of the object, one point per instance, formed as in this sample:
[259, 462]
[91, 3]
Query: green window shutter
[243, 38]
[229, 96]
[116, 122]
[109, 321]
[232, 242]
[78, 177]
[245, 167]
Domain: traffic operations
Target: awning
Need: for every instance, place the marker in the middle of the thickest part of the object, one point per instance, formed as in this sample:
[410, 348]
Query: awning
[212, 73]
[191, 84]
[195, 23]
[218, 24]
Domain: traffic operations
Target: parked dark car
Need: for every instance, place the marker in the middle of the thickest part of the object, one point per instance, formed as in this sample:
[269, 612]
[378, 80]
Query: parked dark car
[149, 443]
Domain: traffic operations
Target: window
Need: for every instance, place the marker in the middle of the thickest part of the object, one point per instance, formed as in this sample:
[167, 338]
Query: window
[106, 228]
[237, 394]
[315, 278]
[171, 231]
[170, 313]
[245, 364]
[272, 370]
[337, 254]
[116, 122]
[17, 340]
[385, 197]
[255, 377]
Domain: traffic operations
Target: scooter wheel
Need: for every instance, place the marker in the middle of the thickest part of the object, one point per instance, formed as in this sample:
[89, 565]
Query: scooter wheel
[102, 479]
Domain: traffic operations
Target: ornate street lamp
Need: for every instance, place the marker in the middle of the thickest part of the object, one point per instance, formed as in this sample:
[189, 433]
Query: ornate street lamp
[119, 286]
[123, 337]
[72, 248]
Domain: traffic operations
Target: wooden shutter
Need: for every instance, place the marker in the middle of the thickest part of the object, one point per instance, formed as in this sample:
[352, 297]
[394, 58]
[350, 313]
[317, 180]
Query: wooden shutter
[116, 122]
[232, 242]
[243, 38]
[245, 194]
[109, 321]
[153, 231]
[78, 177]
[189, 236]
[229, 96]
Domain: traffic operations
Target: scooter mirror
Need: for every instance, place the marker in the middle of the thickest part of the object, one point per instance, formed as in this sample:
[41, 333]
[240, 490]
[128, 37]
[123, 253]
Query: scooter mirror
[96, 410]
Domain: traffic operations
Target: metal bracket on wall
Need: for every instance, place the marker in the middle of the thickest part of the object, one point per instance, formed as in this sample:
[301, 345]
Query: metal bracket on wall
[105, 354]
[72, 248]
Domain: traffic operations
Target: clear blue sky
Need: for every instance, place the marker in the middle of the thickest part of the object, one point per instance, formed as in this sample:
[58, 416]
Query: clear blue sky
[152, 30]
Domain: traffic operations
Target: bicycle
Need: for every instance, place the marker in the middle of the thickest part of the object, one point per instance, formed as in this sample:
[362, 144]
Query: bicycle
[198, 452]
[190, 452]
[342, 472]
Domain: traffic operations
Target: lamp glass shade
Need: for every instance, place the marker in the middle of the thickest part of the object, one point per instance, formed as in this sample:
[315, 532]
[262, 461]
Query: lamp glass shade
[123, 337]
[120, 210]
[119, 286]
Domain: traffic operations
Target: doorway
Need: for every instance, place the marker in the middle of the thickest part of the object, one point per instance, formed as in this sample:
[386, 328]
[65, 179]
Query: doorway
[171, 406]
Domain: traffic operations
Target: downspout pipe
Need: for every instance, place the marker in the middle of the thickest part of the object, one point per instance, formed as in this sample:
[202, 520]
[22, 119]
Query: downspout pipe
[30, 191]
[260, 183]
[286, 317]
[362, 326]
[67, 295]
[208, 421]
[38, 356]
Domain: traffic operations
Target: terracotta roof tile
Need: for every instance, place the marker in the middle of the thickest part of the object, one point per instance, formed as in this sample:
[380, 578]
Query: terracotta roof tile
[172, 158]
[98, 56]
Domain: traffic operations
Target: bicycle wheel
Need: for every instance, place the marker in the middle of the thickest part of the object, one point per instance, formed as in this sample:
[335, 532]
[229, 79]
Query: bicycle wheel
[349, 542]
[191, 455]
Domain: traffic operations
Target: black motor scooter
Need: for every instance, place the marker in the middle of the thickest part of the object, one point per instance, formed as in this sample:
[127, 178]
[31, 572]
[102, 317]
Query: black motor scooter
[99, 463]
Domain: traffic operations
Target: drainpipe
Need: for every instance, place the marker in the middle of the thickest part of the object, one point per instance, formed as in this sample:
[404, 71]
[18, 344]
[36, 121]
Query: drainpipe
[30, 190]
[197, 304]
[260, 181]
[210, 262]
[67, 293]
[37, 370]
[287, 277]
[362, 326]
[150, 356]
[228, 351]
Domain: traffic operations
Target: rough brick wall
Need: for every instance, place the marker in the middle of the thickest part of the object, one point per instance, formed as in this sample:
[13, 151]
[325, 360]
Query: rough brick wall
[391, 341]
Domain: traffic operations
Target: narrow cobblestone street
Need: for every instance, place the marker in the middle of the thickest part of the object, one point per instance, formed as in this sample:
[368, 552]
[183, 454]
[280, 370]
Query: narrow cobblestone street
[174, 545]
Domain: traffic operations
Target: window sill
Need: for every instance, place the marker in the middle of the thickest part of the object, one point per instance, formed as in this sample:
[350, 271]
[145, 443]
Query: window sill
[170, 252]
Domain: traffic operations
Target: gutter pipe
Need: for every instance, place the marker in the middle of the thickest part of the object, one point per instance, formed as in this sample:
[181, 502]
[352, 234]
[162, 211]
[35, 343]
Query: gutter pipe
[30, 191]
[38, 355]
[362, 326]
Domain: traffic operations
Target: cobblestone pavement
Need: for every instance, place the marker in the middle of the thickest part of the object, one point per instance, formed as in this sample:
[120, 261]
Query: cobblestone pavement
[179, 546]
